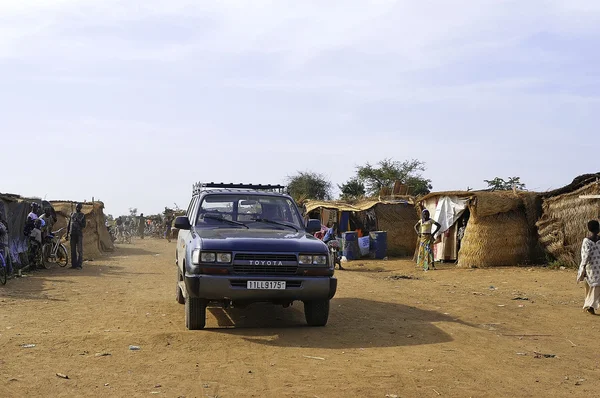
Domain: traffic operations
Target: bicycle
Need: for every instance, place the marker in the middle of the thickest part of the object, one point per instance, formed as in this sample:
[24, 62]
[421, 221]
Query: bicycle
[53, 251]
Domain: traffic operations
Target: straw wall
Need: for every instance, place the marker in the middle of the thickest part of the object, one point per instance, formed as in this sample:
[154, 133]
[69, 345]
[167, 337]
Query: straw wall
[398, 220]
[496, 240]
[563, 224]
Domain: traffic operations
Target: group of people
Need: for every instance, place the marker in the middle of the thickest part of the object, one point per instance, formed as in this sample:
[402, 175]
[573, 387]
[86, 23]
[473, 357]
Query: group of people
[127, 225]
[38, 228]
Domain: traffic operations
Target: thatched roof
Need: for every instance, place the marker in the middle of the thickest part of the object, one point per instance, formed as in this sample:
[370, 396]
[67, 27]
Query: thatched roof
[361, 205]
[578, 182]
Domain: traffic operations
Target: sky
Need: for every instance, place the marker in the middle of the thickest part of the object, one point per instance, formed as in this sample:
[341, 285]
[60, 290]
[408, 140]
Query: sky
[132, 102]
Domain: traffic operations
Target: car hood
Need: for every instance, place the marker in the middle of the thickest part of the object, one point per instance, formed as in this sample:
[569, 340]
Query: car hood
[259, 240]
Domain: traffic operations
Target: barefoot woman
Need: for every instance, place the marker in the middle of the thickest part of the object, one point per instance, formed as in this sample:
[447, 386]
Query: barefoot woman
[423, 228]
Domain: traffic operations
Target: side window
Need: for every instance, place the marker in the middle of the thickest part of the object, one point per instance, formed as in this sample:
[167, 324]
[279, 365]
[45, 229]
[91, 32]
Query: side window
[191, 206]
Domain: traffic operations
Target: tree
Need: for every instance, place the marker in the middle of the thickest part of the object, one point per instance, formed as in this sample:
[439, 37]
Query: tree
[352, 189]
[499, 184]
[133, 211]
[110, 217]
[388, 172]
[308, 185]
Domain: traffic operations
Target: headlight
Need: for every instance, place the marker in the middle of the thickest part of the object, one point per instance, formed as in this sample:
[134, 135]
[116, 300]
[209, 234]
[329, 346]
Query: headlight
[305, 259]
[196, 256]
[208, 257]
[320, 260]
[223, 257]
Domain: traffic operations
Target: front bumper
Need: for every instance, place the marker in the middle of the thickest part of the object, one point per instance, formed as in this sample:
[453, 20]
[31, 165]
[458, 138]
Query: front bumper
[232, 287]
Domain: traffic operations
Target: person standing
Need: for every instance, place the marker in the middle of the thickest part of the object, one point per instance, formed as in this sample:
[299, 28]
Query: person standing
[49, 221]
[168, 226]
[423, 228]
[75, 228]
[141, 225]
[589, 269]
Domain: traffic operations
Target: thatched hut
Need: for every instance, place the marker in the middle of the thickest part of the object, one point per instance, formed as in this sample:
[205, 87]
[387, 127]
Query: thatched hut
[565, 213]
[397, 217]
[500, 228]
[96, 238]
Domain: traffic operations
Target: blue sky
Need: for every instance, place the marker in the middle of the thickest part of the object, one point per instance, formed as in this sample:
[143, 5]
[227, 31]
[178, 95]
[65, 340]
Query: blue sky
[131, 102]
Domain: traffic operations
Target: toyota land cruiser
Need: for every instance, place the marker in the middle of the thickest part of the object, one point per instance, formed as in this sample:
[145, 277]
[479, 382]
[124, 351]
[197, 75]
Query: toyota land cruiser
[239, 244]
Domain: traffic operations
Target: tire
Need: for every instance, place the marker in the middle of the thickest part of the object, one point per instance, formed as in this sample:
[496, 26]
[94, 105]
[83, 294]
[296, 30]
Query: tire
[3, 270]
[62, 258]
[178, 293]
[316, 312]
[46, 250]
[195, 313]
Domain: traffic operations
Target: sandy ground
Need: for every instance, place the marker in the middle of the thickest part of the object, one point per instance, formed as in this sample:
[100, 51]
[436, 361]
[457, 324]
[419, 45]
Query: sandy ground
[446, 333]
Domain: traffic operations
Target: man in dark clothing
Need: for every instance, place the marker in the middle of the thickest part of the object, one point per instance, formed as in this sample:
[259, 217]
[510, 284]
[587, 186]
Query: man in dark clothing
[76, 226]
[141, 225]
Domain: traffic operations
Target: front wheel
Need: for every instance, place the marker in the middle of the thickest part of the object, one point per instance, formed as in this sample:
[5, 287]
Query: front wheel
[316, 312]
[195, 313]
[62, 258]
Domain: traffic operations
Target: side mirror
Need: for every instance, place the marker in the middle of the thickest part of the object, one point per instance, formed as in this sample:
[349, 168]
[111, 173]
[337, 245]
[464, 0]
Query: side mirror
[313, 226]
[182, 222]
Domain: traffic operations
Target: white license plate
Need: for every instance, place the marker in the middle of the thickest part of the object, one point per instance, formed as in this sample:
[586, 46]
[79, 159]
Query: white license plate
[266, 285]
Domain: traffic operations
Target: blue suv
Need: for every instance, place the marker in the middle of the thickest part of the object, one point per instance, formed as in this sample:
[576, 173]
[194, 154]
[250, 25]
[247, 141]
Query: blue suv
[239, 244]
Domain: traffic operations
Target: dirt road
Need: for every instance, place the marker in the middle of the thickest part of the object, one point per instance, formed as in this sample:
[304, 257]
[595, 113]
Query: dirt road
[446, 333]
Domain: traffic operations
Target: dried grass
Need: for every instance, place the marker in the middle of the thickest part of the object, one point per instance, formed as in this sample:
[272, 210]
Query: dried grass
[398, 220]
[563, 224]
[496, 240]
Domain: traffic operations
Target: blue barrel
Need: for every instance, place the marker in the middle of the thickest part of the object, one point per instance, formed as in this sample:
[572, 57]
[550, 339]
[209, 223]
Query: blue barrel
[379, 243]
[350, 246]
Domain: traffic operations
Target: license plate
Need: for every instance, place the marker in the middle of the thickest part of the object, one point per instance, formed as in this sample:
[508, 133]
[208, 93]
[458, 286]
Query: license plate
[266, 285]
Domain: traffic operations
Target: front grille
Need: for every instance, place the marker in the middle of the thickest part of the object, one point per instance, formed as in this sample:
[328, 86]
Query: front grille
[265, 269]
[265, 257]
[243, 283]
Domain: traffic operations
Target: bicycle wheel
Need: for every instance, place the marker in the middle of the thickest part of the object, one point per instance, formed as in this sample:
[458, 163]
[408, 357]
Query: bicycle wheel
[46, 258]
[3, 270]
[62, 258]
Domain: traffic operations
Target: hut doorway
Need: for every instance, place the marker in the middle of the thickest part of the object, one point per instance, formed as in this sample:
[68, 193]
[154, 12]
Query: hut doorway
[461, 223]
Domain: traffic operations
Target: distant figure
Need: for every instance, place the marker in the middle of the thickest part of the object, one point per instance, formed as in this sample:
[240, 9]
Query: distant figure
[423, 228]
[33, 214]
[35, 243]
[589, 269]
[461, 234]
[142, 225]
[49, 220]
[76, 226]
[168, 226]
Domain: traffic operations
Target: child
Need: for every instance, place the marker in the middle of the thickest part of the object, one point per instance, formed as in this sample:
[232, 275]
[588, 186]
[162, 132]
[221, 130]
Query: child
[35, 242]
[589, 269]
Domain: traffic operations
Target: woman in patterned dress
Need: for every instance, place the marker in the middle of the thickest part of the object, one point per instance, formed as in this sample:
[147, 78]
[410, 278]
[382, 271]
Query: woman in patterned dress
[589, 269]
[423, 228]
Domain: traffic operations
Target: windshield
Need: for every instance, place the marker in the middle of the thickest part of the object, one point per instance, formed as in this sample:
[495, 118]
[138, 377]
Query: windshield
[248, 210]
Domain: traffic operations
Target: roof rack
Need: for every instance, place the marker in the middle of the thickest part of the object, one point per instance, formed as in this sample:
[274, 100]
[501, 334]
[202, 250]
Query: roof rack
[197, 187]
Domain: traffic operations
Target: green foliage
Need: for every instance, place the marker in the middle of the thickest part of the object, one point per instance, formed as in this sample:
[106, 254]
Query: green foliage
[352, 189]
[388, 171]
[308, 185]
[499, 184]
